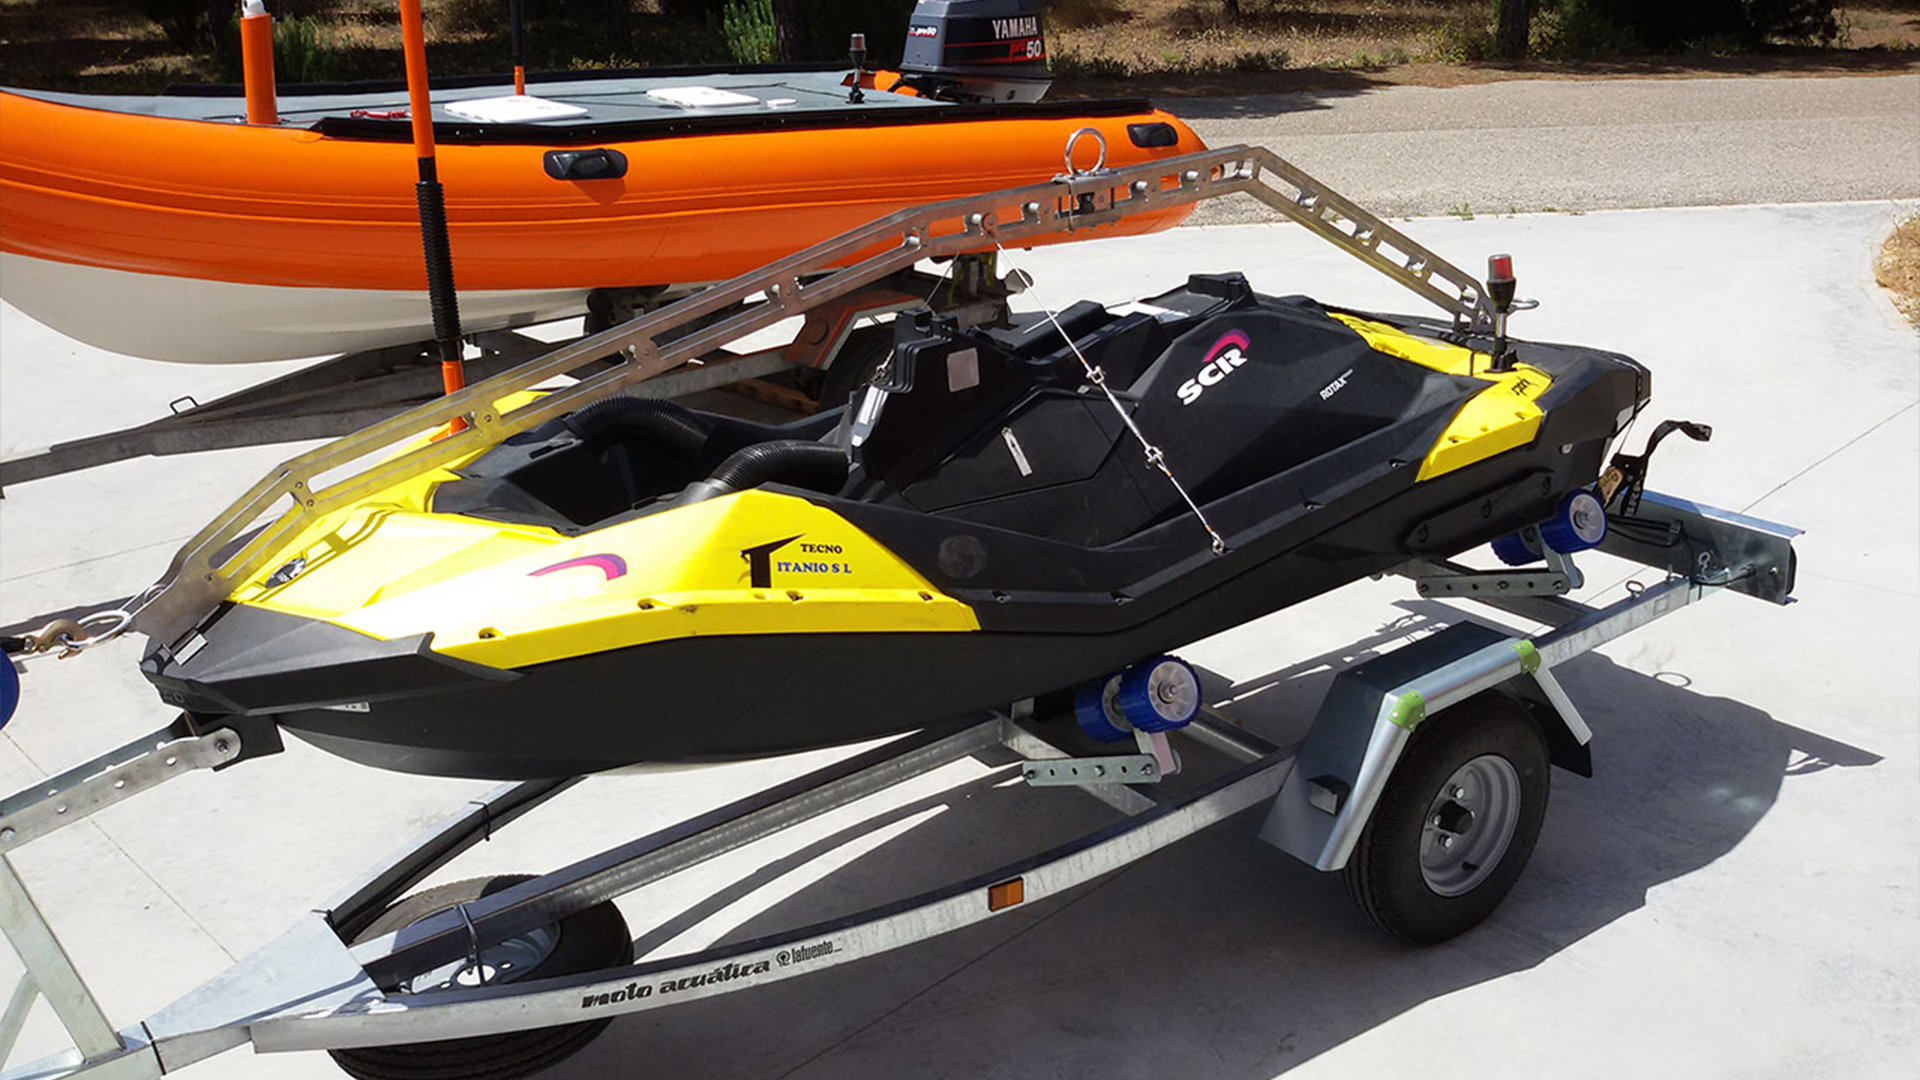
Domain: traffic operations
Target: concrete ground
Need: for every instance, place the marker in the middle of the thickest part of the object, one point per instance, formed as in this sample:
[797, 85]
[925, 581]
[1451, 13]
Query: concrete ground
[1732, 895]
[1610, 144]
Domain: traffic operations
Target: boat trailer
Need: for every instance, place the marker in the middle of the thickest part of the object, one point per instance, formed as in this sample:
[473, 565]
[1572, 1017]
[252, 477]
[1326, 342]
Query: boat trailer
[312, 990]
[344, 980]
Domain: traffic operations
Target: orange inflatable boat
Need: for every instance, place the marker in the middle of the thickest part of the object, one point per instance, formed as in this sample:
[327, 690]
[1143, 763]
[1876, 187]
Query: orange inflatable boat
[167, 227]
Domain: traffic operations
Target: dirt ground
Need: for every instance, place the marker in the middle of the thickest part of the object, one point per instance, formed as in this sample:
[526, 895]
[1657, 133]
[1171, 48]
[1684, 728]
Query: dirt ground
[1100, 47]
[1189, 37]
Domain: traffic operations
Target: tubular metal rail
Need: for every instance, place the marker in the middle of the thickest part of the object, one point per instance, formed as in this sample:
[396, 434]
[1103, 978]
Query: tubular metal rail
[211, 565]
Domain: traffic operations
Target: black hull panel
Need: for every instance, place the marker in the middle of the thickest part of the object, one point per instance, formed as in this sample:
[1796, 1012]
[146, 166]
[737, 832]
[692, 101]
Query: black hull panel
[725, 698]
[1053, 610]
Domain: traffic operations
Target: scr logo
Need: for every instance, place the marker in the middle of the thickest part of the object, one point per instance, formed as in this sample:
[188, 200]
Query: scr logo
[1222, 360]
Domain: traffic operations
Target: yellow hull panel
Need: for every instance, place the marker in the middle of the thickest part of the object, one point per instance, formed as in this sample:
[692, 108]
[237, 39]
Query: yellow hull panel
[507, 596]
[1503, 416]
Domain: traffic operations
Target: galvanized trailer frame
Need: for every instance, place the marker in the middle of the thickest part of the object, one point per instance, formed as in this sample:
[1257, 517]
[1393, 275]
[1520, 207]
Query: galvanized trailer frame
[312, 990]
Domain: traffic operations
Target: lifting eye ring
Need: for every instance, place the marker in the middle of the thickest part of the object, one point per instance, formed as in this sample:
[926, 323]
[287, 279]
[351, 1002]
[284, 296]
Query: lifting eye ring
[1073, 140]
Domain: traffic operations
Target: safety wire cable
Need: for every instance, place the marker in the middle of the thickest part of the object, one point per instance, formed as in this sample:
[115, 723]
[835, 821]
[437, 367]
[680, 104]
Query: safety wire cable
[1098, 377]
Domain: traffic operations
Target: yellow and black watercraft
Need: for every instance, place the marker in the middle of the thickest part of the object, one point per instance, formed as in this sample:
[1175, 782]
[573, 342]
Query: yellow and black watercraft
[636, 582]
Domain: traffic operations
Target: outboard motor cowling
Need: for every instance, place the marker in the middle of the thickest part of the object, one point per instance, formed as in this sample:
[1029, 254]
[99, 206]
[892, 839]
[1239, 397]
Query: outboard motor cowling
[977, 50]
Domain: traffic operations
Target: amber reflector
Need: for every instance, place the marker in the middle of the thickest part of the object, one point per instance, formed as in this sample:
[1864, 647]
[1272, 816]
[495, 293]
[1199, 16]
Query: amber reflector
[1006, 894]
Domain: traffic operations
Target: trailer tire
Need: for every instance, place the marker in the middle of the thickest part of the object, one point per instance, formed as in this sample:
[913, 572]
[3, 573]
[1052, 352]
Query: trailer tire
[588, 941]
[1491, 752]
[860, 355]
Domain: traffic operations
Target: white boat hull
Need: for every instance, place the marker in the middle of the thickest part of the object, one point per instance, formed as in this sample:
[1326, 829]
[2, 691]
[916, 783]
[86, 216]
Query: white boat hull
[198, 321]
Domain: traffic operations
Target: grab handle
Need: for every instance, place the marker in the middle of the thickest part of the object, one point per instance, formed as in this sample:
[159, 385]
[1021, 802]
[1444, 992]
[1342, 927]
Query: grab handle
[599, 163]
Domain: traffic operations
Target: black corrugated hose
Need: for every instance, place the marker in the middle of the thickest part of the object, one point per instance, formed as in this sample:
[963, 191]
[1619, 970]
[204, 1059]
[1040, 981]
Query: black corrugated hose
[667, 425]
[796, 462]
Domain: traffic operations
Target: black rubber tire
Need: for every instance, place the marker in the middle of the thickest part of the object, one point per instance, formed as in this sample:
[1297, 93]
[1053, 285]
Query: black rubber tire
[589, 941]
[859, 355]
[1383, 874]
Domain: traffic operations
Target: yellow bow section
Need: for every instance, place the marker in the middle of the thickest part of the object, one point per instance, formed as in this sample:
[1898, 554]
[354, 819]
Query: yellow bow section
[1503, 416]
[508, 596]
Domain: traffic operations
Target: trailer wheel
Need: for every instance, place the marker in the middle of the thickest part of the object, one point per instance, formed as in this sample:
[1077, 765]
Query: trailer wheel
[860, 355]
[586, 941]
[1456, 823]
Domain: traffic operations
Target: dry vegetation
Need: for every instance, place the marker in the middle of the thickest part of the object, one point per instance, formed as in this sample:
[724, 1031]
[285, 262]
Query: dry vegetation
[1898, 266]
[1105, 39]
[1099, 46]
[1146, 37]
[108, 46]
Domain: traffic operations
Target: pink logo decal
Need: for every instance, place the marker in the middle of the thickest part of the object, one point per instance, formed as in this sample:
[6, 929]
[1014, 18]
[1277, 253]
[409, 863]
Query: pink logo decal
[1232, 339]
[611, 565]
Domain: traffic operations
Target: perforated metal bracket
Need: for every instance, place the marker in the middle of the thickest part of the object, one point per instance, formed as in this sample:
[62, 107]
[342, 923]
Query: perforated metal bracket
[115, 776]
[1494, 583]
[1090, 771]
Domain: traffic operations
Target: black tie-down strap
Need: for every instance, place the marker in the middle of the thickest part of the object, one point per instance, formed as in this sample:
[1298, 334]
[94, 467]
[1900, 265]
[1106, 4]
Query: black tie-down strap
[1628, 481]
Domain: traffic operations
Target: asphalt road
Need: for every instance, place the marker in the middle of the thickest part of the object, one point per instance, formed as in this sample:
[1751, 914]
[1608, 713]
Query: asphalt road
[1600, 145]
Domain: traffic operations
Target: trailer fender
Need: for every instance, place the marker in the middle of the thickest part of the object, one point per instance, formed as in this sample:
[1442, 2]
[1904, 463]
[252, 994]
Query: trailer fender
[1373, 709]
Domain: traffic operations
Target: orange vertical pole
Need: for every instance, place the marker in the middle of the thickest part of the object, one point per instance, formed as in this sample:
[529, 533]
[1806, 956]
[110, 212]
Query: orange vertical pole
[256, 63]
[519, 47]
[432, 204]
[413, 45]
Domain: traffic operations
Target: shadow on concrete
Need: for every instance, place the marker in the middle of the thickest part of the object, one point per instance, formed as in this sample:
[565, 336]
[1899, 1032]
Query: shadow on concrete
[1229, 94]
[76, 612]
[1770, 60]
[1218, 954]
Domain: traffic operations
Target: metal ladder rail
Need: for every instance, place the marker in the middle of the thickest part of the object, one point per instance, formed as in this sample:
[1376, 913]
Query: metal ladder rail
[1343, 223]
[201, 574]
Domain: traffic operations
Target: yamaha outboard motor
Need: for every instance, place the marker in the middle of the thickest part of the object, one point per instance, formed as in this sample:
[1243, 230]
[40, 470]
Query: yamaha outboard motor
[977, 50]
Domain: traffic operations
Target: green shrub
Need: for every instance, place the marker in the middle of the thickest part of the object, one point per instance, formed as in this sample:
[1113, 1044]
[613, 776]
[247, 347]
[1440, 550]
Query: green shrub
[1459, 42]
[751, 38]
[304, 51]
[1602, 27]
[1575, 30]
[1261, 60]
